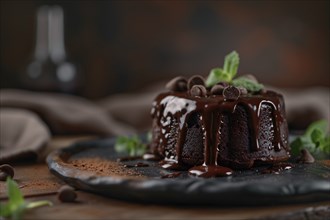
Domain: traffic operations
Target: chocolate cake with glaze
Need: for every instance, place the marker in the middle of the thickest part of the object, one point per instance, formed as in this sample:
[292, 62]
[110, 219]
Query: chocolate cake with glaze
[212, 130]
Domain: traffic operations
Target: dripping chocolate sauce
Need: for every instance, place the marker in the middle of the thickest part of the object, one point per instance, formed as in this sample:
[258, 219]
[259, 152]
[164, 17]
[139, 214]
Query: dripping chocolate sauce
[180, 106]
[277, 168]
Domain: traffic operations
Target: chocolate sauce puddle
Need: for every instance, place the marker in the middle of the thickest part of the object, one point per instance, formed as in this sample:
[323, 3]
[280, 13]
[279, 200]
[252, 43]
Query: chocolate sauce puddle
[277, 168]
[170, 175]
[139, 164]
[172, 165]
[208, 171]
[151, 157]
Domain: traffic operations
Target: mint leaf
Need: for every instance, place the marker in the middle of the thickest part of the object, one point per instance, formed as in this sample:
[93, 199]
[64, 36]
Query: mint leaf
[217, 75]
[231, 64]
[316, 140]
[5, 210]
[317, 136]
[300, 143]
[227, 73]
[296, 146]
[325, 145]
[15, 195]
[133, 146]
[37, 204]
[249, 84]
[322, 125]
[16, 204]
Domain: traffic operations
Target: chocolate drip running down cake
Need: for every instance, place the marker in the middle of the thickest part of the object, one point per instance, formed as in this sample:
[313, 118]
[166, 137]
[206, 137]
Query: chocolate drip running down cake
[216, 129]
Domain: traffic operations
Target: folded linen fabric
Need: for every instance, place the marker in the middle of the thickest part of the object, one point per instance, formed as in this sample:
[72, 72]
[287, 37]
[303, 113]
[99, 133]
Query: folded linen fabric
[65, 114]
[22, 135]
[28, 119]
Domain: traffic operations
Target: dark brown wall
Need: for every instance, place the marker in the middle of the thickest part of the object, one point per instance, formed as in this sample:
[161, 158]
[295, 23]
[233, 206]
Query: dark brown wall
[125, 45]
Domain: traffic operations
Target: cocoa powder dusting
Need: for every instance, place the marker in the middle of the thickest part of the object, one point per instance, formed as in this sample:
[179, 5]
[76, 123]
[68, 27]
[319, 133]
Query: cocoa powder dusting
[325, 162]
[33, 180]
[102, 167]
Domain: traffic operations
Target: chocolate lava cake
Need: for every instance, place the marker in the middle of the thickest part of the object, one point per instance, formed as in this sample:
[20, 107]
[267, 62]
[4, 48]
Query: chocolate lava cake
[213, 128]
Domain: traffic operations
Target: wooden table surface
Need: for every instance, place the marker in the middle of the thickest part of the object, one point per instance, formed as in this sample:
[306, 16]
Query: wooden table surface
[37, 183]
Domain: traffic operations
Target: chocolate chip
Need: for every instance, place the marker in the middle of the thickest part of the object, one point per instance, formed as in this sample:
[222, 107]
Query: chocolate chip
[224, 84]
[217, 89]
[195, 80]
[305, 157]
[66, 194]
[263, 91]
[6, 171]
[231, 93]
[198, 90]
[243, 90]
[177, 84]
[182, 86]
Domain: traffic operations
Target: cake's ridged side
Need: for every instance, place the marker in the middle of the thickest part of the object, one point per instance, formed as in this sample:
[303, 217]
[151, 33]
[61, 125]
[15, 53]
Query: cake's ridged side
[266, 127]
[193, 149]
[248, 132]
[224, 139]
[156, 147]
[172, 139]
[239, 140]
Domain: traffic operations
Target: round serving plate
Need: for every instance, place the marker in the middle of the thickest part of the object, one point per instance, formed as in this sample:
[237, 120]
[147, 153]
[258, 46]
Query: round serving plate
[301, 184]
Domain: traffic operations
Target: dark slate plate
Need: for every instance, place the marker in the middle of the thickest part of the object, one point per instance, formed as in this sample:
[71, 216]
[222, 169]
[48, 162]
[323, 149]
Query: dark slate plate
[303, 183]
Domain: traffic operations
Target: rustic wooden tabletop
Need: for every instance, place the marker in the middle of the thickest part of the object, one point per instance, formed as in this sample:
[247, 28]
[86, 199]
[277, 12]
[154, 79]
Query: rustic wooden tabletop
[36, 183]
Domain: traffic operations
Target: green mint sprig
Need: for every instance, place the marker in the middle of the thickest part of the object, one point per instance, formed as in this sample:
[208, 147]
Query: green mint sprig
[249, 84]
[316, 140]
[228, 73]
[16, 205]
[133, 146]
[225, 74]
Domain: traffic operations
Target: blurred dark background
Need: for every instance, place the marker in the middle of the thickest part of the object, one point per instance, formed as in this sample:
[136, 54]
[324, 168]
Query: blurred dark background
[124, 46]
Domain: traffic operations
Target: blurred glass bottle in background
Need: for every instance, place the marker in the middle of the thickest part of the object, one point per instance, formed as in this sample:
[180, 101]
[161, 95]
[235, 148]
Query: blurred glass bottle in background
[50, 69]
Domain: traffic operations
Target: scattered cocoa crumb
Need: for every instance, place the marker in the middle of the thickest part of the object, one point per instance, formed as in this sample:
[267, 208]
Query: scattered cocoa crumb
[33, 180]
[6, 171]
[102, 167]
[305, 157]
[67, 194]
[41, 184]
[325, 162]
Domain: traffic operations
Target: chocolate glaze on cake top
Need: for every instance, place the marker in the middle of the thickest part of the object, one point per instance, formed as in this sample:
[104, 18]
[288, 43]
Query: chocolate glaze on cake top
[191, 103]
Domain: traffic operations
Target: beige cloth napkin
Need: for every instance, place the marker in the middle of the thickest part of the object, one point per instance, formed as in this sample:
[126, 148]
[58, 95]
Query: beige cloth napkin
[22, 134]
[65, 114]
[27, 117]
[31, 114]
